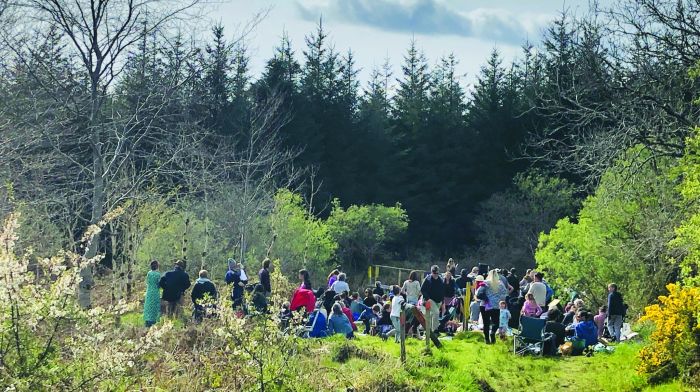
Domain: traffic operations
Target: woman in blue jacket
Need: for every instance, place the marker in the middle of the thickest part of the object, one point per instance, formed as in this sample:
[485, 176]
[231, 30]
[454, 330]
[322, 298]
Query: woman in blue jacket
[339, 323]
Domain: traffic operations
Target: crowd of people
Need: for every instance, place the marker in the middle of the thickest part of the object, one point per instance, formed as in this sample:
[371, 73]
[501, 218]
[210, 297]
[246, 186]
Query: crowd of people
[489, 300]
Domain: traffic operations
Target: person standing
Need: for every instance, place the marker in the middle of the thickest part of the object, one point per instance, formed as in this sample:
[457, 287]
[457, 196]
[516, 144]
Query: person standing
[233, 276]
[174, 284]
[264, 276]
[616, 312]
[514, 282]
[412, 288]
[451, 266]
[151, 305]
[491, 294]
[538, 289]
[433, 290]
[397, 302]
[202, 288]
[305, 279]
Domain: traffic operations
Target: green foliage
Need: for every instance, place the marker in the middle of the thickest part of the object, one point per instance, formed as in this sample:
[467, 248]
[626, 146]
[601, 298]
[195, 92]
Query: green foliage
[687, 239]
[38, 232]
[48, 341]
[302, 240]
[164, 228]
[363, 231]
[531, 206]
[621, 234]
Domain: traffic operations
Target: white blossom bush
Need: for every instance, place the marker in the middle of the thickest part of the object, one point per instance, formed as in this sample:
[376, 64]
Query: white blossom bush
[47, 342]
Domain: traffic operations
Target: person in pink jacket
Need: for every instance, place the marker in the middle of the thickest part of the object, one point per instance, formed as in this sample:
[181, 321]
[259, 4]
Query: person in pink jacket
[530, 307]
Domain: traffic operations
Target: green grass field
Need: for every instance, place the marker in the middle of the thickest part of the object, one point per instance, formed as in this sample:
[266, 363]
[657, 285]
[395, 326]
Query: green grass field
[463, 364]
[467, 364]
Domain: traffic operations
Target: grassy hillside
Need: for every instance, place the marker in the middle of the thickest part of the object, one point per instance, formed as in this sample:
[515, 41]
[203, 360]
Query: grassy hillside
[466, 364]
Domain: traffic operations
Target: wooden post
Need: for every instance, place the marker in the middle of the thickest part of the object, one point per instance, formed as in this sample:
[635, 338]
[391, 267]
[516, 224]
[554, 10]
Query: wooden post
[402, 336]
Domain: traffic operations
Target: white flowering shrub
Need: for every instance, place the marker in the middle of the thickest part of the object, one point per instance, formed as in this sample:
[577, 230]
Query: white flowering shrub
[47, 342]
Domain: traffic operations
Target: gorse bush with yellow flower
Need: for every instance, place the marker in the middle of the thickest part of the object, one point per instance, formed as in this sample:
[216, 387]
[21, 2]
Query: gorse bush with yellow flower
[674, 344]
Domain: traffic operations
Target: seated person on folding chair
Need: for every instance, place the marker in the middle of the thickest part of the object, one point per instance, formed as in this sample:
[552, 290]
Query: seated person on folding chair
[532, 336]
[557, 329]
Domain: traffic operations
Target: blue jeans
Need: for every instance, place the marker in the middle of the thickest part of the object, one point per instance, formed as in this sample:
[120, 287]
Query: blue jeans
[396, 322]
[615, 326]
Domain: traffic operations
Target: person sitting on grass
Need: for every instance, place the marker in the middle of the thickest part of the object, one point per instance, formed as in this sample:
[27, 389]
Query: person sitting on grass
[570, 316]
[378, 290]
[345, 297]
[357, 306]
[369, 300]
[503, 320]
[384, 324]
[339, 323]
[370, 315]
[530, 307]
[585, 328]
[285, 315]
[558, 331]
[340, 285]
[317, 322]
[346, 311]
[599, 320]
[259, 299]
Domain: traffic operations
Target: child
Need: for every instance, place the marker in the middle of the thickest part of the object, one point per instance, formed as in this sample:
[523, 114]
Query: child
[285, 315]
[503, 320]
[384, 324]
[474, 312]
[599, 320]
[369, 315]
[356, 306]
[530, 307]
[396, 305]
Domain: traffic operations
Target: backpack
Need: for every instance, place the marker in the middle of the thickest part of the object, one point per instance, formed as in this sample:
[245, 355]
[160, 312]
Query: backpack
[550, 293]
[481, 294]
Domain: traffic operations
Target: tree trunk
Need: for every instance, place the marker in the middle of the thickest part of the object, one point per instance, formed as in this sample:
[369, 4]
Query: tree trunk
[98, 197]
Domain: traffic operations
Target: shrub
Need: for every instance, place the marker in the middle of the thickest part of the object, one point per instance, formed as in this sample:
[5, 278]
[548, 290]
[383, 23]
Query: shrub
[48, 341]
[674, 345]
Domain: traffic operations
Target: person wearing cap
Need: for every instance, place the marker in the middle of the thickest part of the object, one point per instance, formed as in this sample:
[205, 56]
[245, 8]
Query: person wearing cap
[174, 284]
[433, 290]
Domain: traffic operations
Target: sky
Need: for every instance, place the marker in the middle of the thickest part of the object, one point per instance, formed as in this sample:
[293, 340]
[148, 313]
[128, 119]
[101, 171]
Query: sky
[379, 29]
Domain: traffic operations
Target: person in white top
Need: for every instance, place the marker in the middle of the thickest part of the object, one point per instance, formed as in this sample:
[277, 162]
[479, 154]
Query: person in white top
[340, 286]
[396, 304]
[412, 288]
[539, 290]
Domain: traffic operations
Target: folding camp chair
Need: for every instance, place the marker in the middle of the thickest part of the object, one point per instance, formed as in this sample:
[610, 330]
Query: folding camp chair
[531, 337]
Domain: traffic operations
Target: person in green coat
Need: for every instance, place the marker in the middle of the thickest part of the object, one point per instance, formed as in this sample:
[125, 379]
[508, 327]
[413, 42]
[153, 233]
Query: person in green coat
[151, 306]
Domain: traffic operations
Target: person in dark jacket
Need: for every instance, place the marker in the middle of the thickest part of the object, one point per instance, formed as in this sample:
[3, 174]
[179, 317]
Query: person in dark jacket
[174, 284]
[259, 299]
[514, 281]
[233, 276]
[557, 329]
[378, 290]
[616, 311]
[264, 276]
[433, 290]
[204, 295]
